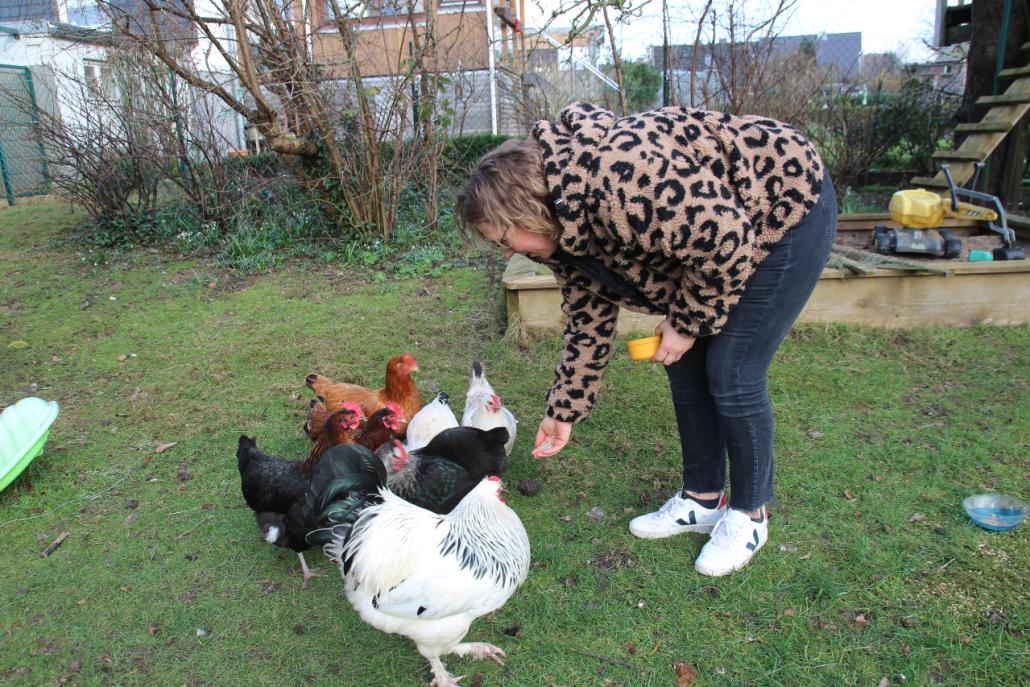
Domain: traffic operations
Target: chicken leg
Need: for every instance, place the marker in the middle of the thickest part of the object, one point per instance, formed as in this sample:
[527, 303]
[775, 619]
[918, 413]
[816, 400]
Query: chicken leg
[480, 650]
[307, 572]
[441, 678]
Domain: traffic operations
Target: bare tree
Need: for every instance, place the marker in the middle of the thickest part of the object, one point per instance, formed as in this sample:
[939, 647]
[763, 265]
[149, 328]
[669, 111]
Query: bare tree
[740, 51]
[668, 89]
[126, 130]
[581, 15]
[355, 146]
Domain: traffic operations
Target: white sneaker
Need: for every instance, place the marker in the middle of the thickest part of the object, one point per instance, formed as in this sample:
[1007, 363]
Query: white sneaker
[679, 514]
[734, 540]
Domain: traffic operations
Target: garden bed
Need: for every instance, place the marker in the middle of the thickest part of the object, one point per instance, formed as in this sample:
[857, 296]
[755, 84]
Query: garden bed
[971, 293]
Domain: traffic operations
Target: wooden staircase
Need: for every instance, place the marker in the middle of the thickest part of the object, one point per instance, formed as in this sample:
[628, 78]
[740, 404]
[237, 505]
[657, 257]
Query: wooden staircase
[1007, 111]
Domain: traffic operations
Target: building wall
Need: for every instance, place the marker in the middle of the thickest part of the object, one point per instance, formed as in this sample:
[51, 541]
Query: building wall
[382, 46]
[469, 94]
[60, 61]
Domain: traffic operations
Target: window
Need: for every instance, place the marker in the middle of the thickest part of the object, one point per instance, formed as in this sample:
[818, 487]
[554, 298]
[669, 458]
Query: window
[99, 82]
[85, 13]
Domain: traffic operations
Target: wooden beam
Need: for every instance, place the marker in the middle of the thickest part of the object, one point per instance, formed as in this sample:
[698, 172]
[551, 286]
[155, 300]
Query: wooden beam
[933, 182]
[976, 292]
[986, 127]
[974, 155]
[866, 222]
[1018, 221]
[1014, 72]
[1004, 99]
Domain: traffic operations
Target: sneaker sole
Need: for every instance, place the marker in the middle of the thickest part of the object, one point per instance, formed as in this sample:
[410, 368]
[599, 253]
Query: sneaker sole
[694, 529]
[711, 572]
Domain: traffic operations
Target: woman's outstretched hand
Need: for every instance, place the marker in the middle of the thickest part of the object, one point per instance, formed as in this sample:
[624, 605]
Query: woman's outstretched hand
[674, 345]
[552, 437]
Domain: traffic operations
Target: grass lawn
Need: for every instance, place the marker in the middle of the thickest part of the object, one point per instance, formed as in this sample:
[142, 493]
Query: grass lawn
[872, 570]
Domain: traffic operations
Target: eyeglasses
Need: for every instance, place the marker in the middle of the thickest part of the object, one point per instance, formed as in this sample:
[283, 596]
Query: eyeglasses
[503, 241]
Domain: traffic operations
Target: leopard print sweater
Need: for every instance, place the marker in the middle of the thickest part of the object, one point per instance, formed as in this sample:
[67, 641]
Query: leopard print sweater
[679, 202]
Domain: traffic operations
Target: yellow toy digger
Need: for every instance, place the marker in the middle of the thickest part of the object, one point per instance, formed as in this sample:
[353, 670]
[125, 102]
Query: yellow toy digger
[918, 210]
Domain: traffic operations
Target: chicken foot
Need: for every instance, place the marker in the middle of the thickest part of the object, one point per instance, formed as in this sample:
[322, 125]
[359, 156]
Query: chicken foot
[441, 678]
[307, 572]
[480, 650]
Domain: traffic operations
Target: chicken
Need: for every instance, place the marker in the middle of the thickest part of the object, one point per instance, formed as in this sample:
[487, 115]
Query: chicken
[346, 481]
[400, 388]
[317, 415]
[381, 428]
[428, 576]
[439, 475]
[430, 420]
[355, 476]
[342, 427]
[271, 486]
[483, 407]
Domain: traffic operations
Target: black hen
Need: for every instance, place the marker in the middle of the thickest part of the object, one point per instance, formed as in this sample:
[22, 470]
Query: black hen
[276, 489]
[284, 494]
[439, 475]
[271, 486]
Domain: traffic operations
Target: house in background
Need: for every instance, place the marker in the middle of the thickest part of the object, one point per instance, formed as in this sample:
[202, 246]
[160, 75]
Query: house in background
[838, 54]
[63, 47]
[37, 35]
[947, 71]
[483, 47]
[385, 41]
[875, 65]
[38, 42]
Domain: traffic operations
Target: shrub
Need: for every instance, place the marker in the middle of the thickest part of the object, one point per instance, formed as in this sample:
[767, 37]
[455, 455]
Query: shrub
[462, 152]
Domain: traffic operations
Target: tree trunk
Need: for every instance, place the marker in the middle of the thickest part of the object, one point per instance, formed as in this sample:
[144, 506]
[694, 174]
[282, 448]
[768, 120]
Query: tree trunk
[617, 62]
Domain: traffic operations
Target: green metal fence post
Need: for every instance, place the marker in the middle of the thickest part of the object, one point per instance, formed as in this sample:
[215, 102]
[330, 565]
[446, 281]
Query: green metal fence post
[8, 188]
[35, 126]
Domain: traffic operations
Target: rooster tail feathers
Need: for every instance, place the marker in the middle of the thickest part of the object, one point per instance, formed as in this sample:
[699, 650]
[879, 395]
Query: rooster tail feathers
[332, 539]
[347, 479]
[335, 496]
[478, 384]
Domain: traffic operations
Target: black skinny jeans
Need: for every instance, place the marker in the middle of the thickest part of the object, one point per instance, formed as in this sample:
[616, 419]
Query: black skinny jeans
[719, 386]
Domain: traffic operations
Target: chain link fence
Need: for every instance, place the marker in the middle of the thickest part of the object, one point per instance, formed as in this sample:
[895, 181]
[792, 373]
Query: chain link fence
[23, 164]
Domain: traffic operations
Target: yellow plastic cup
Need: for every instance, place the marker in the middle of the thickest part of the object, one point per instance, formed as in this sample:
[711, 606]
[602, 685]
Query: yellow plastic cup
[643, 349]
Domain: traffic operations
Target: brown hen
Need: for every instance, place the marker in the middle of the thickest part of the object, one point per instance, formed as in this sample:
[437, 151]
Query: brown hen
[400, 388]
[341, 427]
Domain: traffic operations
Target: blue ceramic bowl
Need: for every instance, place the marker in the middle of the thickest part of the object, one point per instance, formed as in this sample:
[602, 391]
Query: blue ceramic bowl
[995, 511]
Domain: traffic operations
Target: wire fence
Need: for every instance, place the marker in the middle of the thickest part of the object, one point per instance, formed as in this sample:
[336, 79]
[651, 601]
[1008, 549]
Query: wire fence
[23, 164]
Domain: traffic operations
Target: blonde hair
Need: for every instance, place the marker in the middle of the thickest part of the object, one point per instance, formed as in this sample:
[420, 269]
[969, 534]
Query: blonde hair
[508, 189]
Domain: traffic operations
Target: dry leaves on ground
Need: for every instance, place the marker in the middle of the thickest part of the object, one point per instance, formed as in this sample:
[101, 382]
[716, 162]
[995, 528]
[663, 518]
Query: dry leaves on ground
[685, 674]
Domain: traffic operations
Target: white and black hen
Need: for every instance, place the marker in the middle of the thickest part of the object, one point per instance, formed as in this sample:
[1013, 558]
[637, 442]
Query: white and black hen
[428, 576]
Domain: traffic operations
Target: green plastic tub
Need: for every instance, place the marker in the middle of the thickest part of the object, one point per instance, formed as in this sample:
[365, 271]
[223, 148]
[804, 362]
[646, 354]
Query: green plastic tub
[24, 428]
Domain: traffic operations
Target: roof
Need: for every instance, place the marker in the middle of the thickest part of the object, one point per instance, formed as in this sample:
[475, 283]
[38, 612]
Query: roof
[841, 50]
[27, 10]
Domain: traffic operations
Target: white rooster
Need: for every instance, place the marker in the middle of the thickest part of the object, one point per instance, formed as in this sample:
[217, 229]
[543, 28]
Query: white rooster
[483, 407]
[431, 419]
[426, 576]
